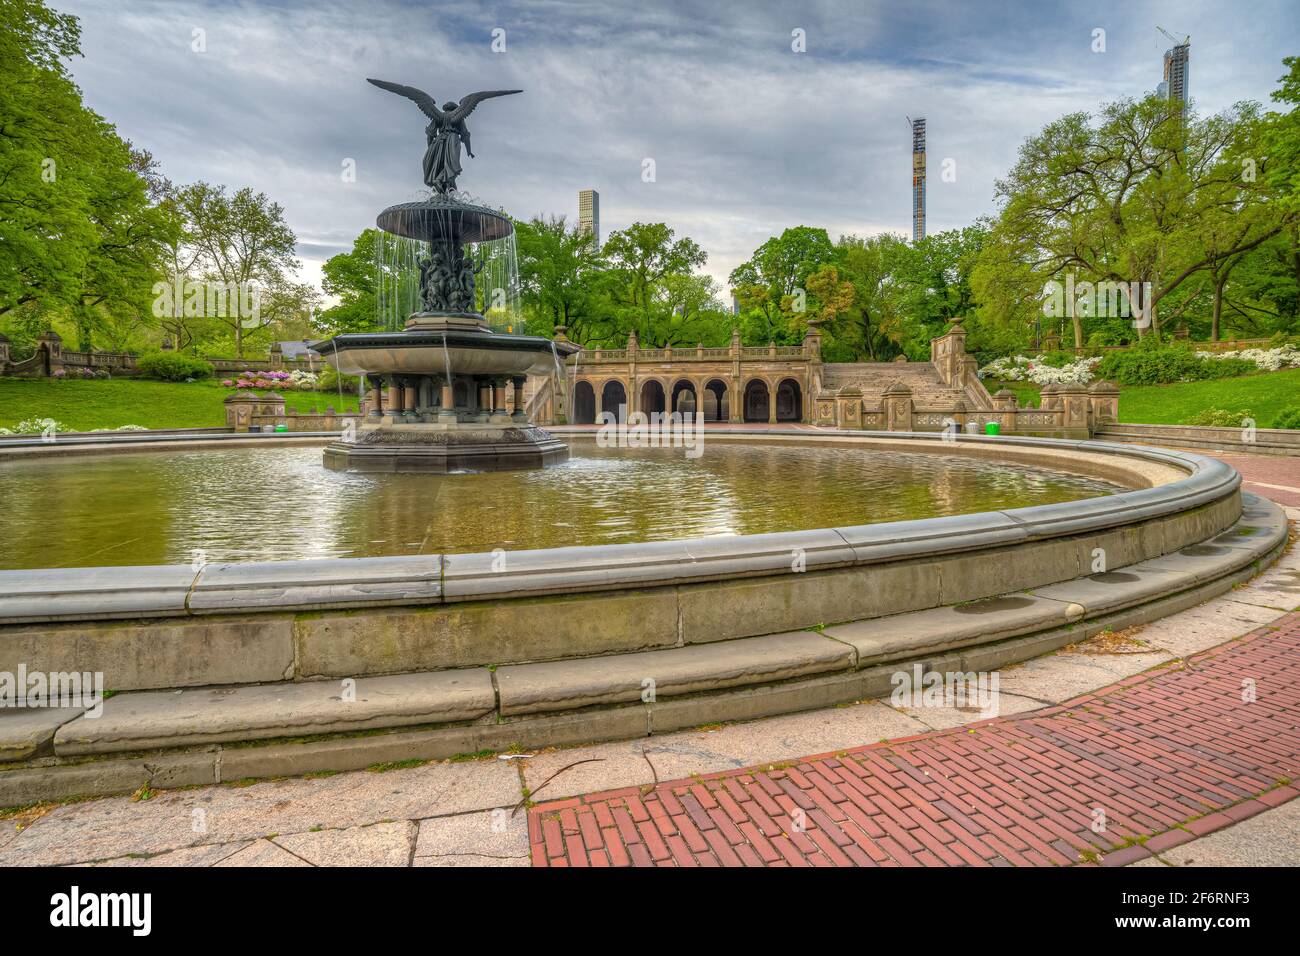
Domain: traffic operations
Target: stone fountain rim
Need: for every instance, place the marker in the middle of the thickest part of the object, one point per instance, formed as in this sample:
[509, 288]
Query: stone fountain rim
[69, 594]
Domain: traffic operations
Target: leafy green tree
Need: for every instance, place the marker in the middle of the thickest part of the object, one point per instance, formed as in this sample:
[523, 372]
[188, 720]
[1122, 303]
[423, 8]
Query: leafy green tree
[639, 259]
[560, 276]
[244, 241]
[769, 283]
[350, 277]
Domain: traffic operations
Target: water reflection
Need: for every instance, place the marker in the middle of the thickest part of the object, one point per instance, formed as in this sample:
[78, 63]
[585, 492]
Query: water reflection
[280, 504]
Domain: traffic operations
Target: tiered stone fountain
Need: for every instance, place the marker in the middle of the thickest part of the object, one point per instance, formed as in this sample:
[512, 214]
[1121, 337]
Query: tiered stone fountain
[447, 373]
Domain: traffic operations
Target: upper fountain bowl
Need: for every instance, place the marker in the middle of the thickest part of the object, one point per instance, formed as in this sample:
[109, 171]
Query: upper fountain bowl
[443, 219]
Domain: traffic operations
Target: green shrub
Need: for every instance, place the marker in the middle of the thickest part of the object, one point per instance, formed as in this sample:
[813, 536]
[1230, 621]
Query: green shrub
[327, 380]
[1288, 418]
[1155, 362]
[172, 366]
[1221, 417]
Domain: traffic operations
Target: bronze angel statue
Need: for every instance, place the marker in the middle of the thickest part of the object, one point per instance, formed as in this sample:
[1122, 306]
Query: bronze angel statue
[446, 131]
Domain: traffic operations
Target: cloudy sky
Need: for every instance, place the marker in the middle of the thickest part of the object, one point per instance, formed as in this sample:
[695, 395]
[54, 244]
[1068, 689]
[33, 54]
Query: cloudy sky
[747, 136]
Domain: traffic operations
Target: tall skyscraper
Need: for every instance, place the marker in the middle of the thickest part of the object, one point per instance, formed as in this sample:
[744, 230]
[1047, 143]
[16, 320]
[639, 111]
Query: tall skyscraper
[918, 178]
[1174, 84]
[589, 213]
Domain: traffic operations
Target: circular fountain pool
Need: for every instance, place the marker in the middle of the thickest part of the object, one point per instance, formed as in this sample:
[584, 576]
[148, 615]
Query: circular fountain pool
[276, 504]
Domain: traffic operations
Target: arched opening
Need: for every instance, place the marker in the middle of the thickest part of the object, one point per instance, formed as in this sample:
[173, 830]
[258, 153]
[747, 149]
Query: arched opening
[584, 404]
[789, 401]
[756, 401]
[715, 401]
[652, 398]
[684, 399]
[613, 399]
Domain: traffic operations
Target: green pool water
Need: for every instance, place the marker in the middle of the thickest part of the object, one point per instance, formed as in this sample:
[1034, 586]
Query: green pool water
[275, 504]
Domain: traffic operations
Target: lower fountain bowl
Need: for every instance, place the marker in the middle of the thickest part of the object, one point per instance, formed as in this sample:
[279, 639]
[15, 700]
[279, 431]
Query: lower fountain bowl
[442, 449]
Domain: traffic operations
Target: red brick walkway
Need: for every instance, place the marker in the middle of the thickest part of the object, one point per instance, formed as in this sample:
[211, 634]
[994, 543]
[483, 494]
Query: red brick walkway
[1167, 756]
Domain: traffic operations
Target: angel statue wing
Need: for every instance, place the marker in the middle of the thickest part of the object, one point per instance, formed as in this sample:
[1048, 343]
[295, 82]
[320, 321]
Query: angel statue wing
[467, 103]
[428, 105]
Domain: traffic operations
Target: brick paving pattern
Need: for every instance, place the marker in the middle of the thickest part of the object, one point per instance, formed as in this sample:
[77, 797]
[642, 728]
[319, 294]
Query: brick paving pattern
[1168, 756]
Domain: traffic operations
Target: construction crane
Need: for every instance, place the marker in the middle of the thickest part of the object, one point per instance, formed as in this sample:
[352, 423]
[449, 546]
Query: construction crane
[1185, 41]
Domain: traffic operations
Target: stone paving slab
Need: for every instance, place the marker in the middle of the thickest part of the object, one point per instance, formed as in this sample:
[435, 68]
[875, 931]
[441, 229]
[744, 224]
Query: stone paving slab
[1271, 838]
[379, 844]
[707, 750]
[104, 829]
[1179, 750]
[498, 837]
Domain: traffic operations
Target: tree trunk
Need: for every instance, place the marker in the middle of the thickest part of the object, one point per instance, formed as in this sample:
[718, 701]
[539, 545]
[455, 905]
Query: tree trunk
[1218, 308]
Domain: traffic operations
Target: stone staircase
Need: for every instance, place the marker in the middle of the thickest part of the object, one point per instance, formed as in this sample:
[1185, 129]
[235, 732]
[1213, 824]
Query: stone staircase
[928, 389]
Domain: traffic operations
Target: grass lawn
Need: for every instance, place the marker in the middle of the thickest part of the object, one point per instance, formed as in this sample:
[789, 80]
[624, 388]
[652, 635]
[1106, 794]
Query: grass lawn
[1265, 395]
[84, 405]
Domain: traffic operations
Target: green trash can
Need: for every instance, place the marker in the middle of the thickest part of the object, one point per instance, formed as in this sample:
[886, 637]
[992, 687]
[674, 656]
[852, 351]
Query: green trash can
[992, 428]
[282, 428]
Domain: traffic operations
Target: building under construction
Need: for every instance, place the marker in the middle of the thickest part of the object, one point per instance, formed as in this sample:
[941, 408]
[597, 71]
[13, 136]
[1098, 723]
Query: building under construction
[1174, 84]
[918, 178]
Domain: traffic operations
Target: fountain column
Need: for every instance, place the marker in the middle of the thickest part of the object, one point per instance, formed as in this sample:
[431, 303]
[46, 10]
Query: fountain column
[498, 398]
[484, 400]
[374, 399]
[448, 411]
[518, 413]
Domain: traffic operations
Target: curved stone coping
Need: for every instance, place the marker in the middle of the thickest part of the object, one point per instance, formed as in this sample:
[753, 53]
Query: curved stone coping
[257, 730]
[81, 443]
[69, 594]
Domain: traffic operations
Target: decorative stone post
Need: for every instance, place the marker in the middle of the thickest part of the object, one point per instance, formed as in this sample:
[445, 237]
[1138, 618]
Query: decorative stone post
[239, 410]
[498, 397]
[633, 386]
[1075, 409]
[409, 399]
[1004, 405]
[560, 385]
[447, 406]
[51, 343]
[897, 401]
[1104, 398]
[848, 407]
[374, 398]
[277, 355]
[484, 400]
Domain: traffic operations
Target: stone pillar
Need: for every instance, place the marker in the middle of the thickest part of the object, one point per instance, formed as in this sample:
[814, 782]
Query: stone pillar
[498, 397]
[736, 405]
[374, 399]
[1075, 408]
[1004, 406]
[1104, 397]
[447, 409]
[848, 407]
[277, 355]
[897, 407]
[409, 398]
[51, 343]
[771, 405]
[518, 413]
[484, 411]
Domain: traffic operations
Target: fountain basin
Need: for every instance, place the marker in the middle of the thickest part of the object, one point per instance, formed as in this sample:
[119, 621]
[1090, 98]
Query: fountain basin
[468, 351]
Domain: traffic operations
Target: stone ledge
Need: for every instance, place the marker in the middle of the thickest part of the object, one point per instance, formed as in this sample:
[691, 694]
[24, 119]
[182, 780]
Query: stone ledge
[165, 719]
[573, 684]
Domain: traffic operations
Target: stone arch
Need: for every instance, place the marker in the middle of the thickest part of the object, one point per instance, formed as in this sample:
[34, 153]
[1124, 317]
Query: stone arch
[613, 394]
[757, 399]
[584, 403]
[685, 397]
[654, 397]
[716, 402]
[789, 401]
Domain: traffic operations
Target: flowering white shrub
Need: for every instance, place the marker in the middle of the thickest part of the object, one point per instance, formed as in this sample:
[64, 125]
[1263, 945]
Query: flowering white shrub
[1020, 368]
[300, 379]
[1266, 360]
[37, 426]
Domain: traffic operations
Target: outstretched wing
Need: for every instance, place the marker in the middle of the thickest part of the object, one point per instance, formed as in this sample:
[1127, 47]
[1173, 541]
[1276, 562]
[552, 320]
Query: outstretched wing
[467, 103]
[427, 103]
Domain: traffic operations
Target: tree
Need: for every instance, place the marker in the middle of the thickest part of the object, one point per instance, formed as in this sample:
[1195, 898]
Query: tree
[244, 241]
[766, 285]
[350, 277]
[1120, 200]
[559, 277]
[872, 327]
[640, 258]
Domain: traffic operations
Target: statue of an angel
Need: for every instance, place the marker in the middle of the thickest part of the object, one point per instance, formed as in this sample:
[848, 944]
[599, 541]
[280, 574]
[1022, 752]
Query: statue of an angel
[446, 131]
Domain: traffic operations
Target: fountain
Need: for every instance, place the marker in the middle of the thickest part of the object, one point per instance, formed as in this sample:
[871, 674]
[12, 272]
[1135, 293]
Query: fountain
[446, 371]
